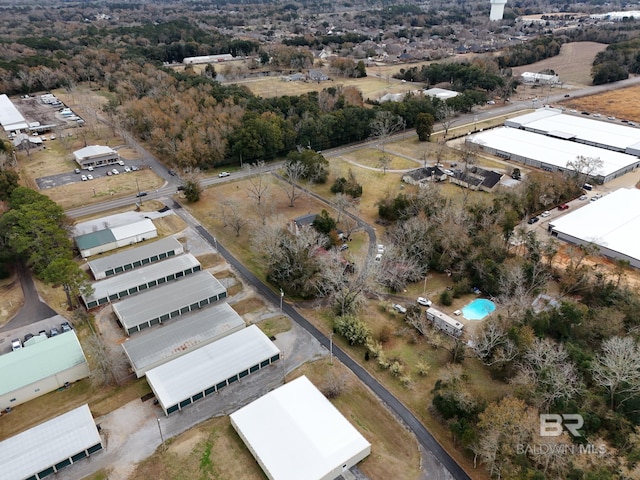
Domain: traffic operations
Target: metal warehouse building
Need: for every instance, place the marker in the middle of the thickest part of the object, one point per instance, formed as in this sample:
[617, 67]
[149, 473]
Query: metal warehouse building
[171, 340]
[46, 448]
[295, 432]
[580, 129]
[40, 368]
[612, 223]
[206, 370]
[168, 301]
[134, 258]
[551, 153]
[10, 118]
[141, 279]
[111, 238]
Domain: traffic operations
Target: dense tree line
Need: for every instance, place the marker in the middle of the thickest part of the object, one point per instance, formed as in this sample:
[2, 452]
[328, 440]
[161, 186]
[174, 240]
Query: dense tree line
[530, 52]
[461, 76]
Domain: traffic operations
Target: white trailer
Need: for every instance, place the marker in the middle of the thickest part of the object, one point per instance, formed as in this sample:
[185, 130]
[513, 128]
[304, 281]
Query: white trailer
[444, 322]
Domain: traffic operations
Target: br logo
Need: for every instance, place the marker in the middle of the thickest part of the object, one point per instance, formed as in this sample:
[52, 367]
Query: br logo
[551, 424]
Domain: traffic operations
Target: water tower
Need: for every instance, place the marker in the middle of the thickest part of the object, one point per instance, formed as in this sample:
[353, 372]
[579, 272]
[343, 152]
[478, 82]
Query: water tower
[497, 9]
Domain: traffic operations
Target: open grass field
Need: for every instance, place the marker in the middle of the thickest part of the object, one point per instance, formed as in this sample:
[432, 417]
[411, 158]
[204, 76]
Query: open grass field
[622, 104]
[573, 64]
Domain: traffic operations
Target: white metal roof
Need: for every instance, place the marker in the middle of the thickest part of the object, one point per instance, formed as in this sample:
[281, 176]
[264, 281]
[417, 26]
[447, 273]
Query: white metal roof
[146, 250]
[295, 432]
[580, 126]
[177, 338]
[133, 229]
[93, 151]
[441, 93]
[29, 364]
[549, 150]
[10, 117]
[140, 276]
[612, 222]
[164, 299]
[210, 364]
[46, 444]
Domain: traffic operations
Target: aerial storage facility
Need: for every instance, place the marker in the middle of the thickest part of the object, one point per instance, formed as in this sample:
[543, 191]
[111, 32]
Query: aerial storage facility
[133, 258]
[612, 223]
[162, 344]
[294, 432]
[10, 118]
[206, 370]
[141, 279]
[40, 368]
[46, 448]
[168, 301]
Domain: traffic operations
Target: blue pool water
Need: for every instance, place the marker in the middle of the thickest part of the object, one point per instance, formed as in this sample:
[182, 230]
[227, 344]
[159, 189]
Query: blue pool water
[478, 309]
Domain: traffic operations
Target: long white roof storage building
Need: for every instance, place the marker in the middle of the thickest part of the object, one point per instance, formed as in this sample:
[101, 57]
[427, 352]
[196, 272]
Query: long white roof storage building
[10, 118]
[552, 153]
[162, 344]
[580, 129]
[294, 432]
[46, 448]
[140, 279]
[168, 301]
[612, 223]
[207, 369]
[135, 257]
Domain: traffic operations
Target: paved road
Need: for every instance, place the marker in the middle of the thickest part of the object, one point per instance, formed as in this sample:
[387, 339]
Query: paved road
[34, 309]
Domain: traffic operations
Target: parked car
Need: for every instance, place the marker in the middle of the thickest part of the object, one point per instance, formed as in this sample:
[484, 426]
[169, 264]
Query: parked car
[564, 206]
[121, 163]
[582, 197]
[16, 344]
[89, 169]
[43, 332]
[424, 302]
[134, 168]
[223, 174]
[545, 214]
[380, 249]
[54, 332]
[181, 188]
[77, 170]
[27, 337]
[83, 178]
[172, 173]
[65, 327]
[115, 171]
[378, 257]
[533, 220]
[127, 169]
[587, 186]
[89, 177]
[399, 308]
[109, 173]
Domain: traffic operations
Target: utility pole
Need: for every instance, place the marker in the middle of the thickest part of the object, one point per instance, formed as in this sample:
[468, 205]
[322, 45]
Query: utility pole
[281, 297]
[139, 197]
[331, 348]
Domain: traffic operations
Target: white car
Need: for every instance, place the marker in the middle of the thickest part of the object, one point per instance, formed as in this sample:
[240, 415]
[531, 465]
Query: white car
[89, 177]
[115, 171]
[399, 308]
[127, 169]
[545, 214]
[378, 257]
[90, 168]
[380, 249]
[16, 344]
[121, 162]
[83, 178]
[223, 174]
[424, 302]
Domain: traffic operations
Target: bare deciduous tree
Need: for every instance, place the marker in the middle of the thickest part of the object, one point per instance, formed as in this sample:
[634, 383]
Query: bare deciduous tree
[617, 368]
[233, 217]
[492, 344]
[585, 167]
[386, 124]
[258, 182]
[294, 172]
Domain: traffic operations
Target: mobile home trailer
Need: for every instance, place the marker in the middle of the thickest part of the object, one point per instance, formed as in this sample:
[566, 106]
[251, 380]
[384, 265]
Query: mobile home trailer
[444, 322]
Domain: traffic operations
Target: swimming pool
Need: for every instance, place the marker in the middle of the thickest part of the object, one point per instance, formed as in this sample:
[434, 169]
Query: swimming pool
[478, 309]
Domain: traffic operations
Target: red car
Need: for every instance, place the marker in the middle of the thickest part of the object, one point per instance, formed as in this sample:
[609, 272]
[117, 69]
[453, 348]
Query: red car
[564, 206]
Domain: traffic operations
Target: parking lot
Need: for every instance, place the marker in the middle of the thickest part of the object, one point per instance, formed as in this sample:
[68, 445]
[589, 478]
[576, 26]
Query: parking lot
[6, 337]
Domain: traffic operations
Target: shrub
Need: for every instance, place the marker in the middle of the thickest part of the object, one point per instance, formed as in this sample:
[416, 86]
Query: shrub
[351, 328]
[446, 298]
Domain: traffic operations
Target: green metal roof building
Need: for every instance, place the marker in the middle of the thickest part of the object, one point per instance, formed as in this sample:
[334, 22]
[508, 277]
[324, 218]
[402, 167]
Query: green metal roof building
[37, 369]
